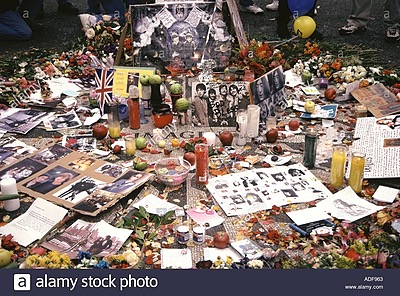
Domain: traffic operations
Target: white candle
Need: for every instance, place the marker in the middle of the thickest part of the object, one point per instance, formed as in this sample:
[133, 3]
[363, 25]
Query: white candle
[210, 137]
[242, 122]
[253, 120]
[9, 186]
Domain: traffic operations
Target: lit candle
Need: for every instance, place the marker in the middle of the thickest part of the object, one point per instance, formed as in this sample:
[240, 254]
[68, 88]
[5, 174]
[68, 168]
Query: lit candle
[253, 120]
[201, 151]
[357, 171]
[130, 145]
[337, 166]
[9, 186]
[210, 137]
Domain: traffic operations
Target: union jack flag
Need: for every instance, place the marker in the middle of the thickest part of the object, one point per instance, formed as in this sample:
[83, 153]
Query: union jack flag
[104, 82]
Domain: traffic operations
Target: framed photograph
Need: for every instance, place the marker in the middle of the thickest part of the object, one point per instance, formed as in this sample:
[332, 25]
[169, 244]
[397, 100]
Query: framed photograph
[217, 103]
[176, 36]
[268, 91]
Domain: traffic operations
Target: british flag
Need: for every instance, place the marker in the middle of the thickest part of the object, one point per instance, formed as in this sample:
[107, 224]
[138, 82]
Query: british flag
[104, 82]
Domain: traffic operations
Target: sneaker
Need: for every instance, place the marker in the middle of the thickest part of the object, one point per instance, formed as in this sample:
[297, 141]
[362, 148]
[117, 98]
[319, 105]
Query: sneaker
[392, 34]
[252, 8]
[273, 6]
[351, 29]
[68, 8]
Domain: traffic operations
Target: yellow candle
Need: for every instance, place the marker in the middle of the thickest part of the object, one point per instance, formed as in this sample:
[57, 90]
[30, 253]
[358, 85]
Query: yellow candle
[337, 166]
[114, 131]
[357, 171]
[130, 145]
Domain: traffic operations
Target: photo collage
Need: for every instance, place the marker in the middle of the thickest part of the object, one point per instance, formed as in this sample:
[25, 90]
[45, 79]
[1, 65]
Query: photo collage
[72, 179]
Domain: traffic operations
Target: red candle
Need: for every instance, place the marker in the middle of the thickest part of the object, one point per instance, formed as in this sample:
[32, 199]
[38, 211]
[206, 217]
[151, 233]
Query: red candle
[201, 151]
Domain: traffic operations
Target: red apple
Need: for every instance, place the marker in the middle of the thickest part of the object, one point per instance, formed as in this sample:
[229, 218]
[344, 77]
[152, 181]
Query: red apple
[226, 138]
[272, 135]
[99, 131]
[221, 240]
[330, 94]
[294, 125]
[190, 157]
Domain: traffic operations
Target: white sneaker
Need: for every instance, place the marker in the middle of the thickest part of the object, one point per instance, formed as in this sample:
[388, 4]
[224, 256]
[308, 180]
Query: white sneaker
[273, 6]
[252, 8]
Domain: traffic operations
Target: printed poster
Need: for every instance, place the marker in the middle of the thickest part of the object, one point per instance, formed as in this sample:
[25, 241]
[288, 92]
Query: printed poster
[179, 35]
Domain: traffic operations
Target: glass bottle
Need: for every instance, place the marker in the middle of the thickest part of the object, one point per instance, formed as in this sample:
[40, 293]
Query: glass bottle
[357, 171]
[146, 95]
[155, 97]
[337, 166]
[310, 148]
[201, 152]
[114, 127]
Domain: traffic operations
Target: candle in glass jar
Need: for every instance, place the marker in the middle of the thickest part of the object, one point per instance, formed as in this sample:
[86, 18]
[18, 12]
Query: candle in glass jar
[357, 171]
[9, 186]
[201, 152]
[310, 148]
[337, 166]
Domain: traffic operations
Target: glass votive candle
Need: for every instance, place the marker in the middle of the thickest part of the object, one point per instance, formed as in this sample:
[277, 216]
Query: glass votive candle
[210, 137]
[130, 145]
[270, 122]
[323, 83]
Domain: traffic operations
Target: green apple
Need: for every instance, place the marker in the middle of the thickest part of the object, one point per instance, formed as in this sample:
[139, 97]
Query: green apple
[144, 79]
[5, 257]
[309, 106]
[155, 79]
[140, 143]
[176, 89]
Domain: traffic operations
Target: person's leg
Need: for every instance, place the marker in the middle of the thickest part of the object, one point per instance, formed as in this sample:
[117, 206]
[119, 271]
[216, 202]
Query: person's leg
[392, 19]
[65, 6]
[14, 27]
[283, 19]
[115, 8]
[249, 6]
[358, 19]
[94, 6]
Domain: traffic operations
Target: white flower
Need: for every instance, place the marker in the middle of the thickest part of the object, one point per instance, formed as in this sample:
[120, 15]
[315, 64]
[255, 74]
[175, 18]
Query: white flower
[90, 33]
[255, 264]
[23, 64]
[131, 257]
[375, 70]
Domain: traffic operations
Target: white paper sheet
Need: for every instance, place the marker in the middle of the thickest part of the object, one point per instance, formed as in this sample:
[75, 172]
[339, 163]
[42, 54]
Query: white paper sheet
[385, 194]
[176, 259]
[309, 215]
[155, 205]
[347, 205]
[35, 223]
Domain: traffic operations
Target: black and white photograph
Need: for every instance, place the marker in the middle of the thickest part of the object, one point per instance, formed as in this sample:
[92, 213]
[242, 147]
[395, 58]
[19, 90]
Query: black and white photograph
[12, 149]
[51, 179]
[179, 35]
[22, 169]
[62, 121]
[216, 104]
[268, 91]
[110, 169]
[22, 121]
[133, 79]
[94, 202]
[79, 142]
[100, 239]
[78, 190]
[52, 154]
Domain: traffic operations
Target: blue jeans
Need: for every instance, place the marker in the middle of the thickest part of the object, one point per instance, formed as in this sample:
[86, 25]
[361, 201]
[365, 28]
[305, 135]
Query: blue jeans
[115, 8]
[246, 3]
[13, 26]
